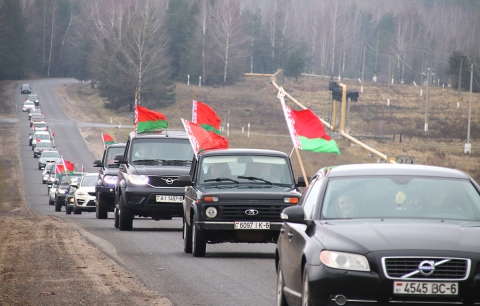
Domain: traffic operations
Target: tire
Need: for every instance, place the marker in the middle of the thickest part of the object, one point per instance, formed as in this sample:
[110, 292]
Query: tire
[76, 211]
[50, 202]
[58, 205]
[101, 209]
[305, 287]
[125, 217]
[68, 210]
[281, 300]
[187, 237]
[115, 215]
[199, 243]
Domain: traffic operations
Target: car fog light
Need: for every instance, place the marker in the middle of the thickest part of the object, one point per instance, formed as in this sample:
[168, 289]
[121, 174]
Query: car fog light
[70, 200]
[211, 212]
[211, 199]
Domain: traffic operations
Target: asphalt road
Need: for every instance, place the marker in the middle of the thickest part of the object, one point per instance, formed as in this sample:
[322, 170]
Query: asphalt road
[230, 274]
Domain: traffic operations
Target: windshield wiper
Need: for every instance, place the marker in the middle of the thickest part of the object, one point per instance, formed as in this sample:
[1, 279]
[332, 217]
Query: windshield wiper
[253, 178]
[147, 161]
[219, 179]
[179, 161]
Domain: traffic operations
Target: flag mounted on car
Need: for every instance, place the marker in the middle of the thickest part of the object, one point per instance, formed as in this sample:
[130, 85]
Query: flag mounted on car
[205, 116]
[202, 139]
[146, 119]
[307, 131]
[107, 140]
[68, 166]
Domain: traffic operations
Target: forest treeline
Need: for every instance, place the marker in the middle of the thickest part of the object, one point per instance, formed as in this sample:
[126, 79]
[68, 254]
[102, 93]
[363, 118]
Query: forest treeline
[121, 45]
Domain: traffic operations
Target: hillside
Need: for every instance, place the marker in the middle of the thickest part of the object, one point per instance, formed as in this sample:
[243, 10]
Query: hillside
[254, 101]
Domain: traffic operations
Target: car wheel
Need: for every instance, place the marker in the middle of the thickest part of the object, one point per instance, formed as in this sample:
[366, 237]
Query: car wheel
[187, 237]
[305, 287]
[50, 202]
[281, 300]
[58, 205]
[125, 217]
[68, 210]
[39, 168]
[115, 215]
[76, 211]
[199, 243]
[101, 209]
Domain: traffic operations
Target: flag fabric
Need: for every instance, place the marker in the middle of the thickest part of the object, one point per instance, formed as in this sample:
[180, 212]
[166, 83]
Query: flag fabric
[59, 169]
[149, 120]
[307, 131]
[202, 139]
[68, 166]
[136, 112]
[205, 116]
[107, 140]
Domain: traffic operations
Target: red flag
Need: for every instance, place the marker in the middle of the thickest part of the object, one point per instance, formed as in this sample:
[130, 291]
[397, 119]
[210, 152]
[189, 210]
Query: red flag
[202, 139]
[149, 119]
[107, 140]
[70, 167]
[205, 116]
[59, 169]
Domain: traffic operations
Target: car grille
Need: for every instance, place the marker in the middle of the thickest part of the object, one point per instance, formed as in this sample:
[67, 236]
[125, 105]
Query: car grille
[445, 268]
[92, 194]
[163, 181]
[267, 210]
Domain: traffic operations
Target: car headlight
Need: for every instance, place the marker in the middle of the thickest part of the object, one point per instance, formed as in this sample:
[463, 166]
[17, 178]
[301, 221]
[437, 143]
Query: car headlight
[344, 261]
[211, 212]
[110, 180]
[138, 179]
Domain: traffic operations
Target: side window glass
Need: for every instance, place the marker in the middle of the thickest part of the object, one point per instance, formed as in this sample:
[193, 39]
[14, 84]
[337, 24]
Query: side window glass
[311, 198]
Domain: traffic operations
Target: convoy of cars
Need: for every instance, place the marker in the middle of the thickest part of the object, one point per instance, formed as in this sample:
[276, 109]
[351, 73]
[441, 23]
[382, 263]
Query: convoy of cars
[357, 235]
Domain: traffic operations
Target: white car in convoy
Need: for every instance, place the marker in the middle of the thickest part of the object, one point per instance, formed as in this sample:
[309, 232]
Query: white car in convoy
[84, 197]
[28, 105]
[39, 136]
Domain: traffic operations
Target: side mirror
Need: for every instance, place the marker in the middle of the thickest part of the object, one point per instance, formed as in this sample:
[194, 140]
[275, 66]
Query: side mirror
[301, 181]
[185, 180]
[74, 185]
[119, 159]
[97, 163]
[295, 214]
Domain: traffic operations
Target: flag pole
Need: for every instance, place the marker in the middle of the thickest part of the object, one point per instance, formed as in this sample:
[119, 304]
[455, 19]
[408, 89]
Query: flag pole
[281, 96]
[66, 172]
[136, 111]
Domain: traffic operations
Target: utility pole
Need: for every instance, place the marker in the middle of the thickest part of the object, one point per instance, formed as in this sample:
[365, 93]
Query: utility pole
[468, 145]
[363, 66]
[460, 78]
[426, 100]
[388, 79]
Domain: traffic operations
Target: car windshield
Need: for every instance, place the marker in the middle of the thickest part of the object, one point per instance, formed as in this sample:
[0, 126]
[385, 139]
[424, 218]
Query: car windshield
[44, 145]
[246, 169]
[50, 154]
[89, 181]
[28, 103]
[400, 197]
[42, 136]
[32, 97]
[73, 178]
[165, 150]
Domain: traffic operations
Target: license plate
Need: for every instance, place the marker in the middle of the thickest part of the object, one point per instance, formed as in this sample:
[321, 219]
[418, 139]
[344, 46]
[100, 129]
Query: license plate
[169, 199]
[242, 225]
[425, 288]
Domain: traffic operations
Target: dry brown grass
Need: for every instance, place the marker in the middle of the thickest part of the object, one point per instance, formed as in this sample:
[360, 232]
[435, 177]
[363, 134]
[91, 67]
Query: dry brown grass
[254, 101]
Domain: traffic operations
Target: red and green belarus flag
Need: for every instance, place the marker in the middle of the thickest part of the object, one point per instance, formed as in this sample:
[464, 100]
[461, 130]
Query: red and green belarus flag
[307, 131]
[107, 140]
[146, 119]
[59, 169]
[202, 139]
[205, 116]
[68, 166]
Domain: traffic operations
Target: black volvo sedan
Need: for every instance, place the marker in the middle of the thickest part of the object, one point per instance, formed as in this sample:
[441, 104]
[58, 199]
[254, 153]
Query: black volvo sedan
[382, 234]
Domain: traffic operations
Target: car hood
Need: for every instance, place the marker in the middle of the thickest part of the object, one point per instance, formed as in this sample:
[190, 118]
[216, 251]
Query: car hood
[86, 189]
[161, 170]
[257, 191]
[54, 159]
[375, 235]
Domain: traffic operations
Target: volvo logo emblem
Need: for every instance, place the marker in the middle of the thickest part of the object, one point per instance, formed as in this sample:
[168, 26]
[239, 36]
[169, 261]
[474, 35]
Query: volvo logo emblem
[251, 212]
[169, 180]
[426, 267]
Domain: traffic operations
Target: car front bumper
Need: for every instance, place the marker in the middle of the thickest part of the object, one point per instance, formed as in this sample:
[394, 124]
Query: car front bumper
[143, 199]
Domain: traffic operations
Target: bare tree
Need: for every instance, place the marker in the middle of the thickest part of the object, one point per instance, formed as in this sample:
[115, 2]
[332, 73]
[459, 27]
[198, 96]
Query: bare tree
[229, 36]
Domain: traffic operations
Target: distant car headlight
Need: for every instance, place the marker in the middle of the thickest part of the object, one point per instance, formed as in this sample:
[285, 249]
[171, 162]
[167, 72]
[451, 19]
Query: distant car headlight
[344, 261]
[110, 180]
[138, 179]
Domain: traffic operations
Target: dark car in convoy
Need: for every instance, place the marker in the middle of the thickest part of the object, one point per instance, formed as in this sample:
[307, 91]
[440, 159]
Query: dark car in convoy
[382, 234]
[147, 183]
[40, 147]
[236, 195]
[107, 178]
[63, 183]
[25, 89]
